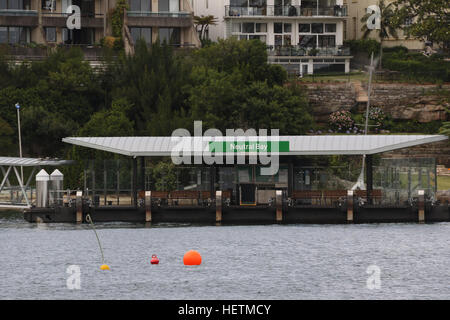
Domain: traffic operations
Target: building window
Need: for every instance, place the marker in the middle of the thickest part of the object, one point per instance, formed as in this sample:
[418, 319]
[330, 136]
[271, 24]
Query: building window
[50, 34]
[250, 31]
[87, 36]
[307, 41]
[327, 41]
[3, 34]
[67, 36]
[277, 28]
[284, 8]
[330, 27]
[169, 5]
[248, 27]
[236, 28]
[345, 29]
[283, 35]
[261, 27]
[287, 28]
[304, 28]
[317, 28]
[329, 68]
[141, 33]
[14, 35]
[170, 36]
[282, 27]
[15, 4]
[49, 5]
[141, 5]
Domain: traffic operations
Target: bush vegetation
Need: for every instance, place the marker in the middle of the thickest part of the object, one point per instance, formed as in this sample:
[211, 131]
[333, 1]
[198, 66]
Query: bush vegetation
[228, 84]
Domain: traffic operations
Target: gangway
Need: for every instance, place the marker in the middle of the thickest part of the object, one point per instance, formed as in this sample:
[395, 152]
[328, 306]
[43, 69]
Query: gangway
[9, 168]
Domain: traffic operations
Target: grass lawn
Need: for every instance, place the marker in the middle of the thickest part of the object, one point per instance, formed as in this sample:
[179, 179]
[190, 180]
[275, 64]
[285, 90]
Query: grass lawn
[443, 182]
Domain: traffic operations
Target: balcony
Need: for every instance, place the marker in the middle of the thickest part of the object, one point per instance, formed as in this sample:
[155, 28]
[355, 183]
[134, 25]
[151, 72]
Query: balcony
[91, 53]
[19, 18]
[293, 51]
[159, 19]
[56, 19]
[286, 11]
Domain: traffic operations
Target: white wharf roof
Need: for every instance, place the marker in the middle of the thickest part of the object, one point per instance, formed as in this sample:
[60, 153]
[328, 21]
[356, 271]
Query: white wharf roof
[294, 145]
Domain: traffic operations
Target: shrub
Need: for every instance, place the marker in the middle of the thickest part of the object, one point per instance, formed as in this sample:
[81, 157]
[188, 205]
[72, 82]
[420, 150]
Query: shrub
[416, 66]
[364, 45]
[108, 42]
[118, 44]
[400, 49]
[341, 121]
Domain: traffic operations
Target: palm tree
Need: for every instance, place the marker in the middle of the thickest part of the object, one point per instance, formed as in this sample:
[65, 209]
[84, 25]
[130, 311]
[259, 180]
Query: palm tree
[387, 26]
[203, 22]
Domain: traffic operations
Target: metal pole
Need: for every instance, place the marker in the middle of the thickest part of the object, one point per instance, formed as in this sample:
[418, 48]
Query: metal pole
[366, 126]
[371, 68]
[20, 139]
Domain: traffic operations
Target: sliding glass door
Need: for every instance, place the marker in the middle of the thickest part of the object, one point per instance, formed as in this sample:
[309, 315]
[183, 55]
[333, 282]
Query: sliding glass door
[169, 5]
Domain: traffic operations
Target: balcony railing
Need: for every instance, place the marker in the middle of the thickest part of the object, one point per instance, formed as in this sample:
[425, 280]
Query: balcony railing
[64, 15]
[302, 51]
[15, 12]
[285, 11]
[159, 14]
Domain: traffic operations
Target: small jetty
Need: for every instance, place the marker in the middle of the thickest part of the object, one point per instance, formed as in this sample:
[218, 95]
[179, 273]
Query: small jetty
[395, 190]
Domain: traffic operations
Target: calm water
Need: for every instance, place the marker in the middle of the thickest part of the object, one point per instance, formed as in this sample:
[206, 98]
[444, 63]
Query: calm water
[239, 262]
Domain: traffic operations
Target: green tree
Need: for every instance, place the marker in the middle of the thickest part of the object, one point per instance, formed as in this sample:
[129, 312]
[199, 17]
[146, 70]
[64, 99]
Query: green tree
[57, 96]
[224, 101]
[388, 27]
[164, 176]
[248, 57]
[110, 122]
[445, 129]
[117, 17]
[153, 80]
[6, 139]
[430, 20]
[202, 24]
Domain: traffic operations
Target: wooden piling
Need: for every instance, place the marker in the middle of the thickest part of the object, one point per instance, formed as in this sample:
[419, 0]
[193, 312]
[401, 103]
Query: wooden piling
[421, 205]
[279, 205]
[350, 201]
[148, 206]
[79, 204]
[218, 206]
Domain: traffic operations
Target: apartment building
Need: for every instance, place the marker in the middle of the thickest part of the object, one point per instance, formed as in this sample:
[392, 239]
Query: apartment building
[44, 21]
[305, 36]
[357, 9]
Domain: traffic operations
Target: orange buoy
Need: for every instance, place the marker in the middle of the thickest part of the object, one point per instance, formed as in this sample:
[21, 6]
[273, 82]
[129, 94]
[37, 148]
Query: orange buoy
[154, 259]
[192, 258]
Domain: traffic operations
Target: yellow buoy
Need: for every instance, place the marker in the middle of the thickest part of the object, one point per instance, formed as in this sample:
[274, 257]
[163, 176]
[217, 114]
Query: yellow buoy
[104, 267]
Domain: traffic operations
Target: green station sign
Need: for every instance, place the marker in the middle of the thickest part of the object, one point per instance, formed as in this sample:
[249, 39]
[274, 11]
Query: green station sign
[248, 146]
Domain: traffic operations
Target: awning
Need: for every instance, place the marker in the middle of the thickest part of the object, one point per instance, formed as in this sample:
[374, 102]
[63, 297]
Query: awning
[32, 162]
[287, 145]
